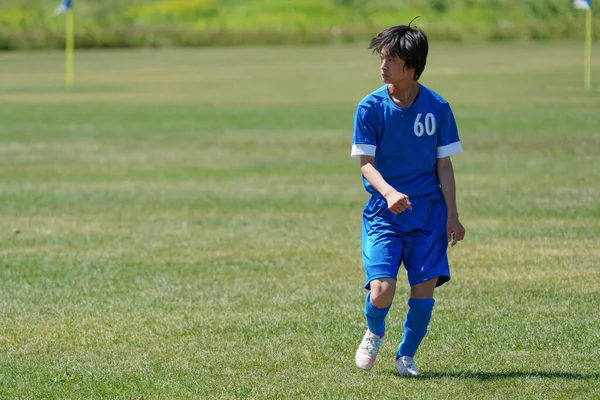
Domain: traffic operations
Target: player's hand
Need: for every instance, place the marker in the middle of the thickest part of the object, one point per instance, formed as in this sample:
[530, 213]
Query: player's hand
[398, 202]
[454, 230]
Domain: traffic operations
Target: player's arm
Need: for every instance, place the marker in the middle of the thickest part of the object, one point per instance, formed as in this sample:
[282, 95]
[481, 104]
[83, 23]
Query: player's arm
[445, 173]
[397, 202]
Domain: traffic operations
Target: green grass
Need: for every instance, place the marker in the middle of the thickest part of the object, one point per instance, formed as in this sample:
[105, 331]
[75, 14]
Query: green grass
[186, 224]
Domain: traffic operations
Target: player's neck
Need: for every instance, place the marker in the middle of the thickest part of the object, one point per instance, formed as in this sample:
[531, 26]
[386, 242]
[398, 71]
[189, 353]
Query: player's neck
[404, 94]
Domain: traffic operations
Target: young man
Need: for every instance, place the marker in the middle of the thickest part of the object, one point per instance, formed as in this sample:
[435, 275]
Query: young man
[404, 135]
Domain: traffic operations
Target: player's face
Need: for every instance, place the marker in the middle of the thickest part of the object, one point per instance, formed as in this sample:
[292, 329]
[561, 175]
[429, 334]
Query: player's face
[393, 71]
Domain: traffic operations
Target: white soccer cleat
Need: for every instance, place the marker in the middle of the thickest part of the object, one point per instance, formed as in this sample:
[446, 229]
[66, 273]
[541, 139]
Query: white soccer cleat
[367, 351]
[406, 366]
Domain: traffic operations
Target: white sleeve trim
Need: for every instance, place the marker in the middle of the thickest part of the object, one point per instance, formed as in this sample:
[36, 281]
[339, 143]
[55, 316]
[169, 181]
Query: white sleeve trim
[448, 150]
[363, 150]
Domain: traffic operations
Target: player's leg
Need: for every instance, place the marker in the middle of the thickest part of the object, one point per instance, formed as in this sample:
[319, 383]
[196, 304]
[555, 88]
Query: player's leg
[426, 261]
[382, 251]
[377, 305]
[420, 308]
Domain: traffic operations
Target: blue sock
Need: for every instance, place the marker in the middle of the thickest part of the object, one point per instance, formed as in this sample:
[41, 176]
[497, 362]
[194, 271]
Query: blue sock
[415, 326]
[375, 316]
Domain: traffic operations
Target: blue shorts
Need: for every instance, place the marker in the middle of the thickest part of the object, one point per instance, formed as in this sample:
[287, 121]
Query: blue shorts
[417, 238]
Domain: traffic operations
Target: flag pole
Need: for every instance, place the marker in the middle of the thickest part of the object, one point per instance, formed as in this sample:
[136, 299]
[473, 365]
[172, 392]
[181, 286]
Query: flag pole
[70, 48]
[588, 49]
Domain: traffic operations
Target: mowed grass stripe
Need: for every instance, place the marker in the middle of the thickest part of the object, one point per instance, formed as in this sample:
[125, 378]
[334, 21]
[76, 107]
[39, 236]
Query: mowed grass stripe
[186, 224]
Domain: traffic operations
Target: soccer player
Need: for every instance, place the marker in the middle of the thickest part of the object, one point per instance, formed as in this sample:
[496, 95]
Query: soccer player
[404, 135]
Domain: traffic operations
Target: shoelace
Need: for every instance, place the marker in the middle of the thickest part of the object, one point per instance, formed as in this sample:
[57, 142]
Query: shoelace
[372, 344]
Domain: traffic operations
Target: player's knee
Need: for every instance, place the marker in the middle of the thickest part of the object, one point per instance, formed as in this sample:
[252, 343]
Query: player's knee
[382, 296]
[382, 299]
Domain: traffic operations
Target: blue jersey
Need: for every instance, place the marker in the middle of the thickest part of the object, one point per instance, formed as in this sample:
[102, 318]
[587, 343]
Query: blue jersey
[406, 142]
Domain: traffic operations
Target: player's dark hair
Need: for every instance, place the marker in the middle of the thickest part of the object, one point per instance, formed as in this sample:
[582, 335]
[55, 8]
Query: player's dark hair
[407, 42]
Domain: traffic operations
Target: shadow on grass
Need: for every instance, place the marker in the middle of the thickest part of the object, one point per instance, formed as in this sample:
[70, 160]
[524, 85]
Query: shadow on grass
[486, 376]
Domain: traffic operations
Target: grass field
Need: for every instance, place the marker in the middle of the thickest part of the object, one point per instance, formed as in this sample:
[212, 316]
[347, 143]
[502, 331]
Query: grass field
[186, 224]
